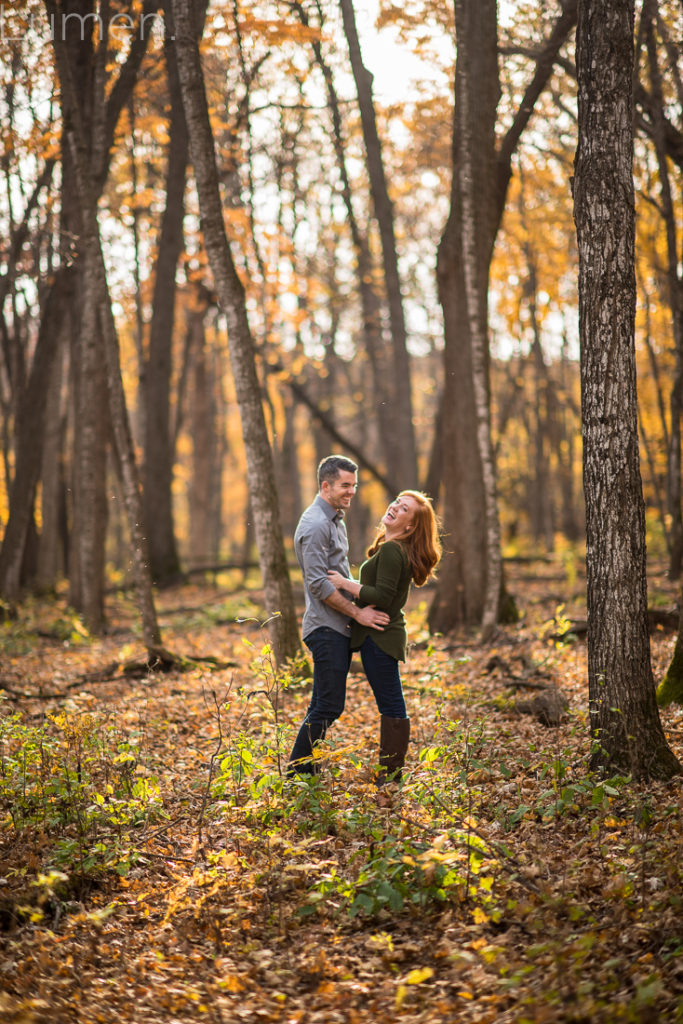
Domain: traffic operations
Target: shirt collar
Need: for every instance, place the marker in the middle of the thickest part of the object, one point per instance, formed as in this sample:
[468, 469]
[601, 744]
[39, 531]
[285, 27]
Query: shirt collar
[335, 514]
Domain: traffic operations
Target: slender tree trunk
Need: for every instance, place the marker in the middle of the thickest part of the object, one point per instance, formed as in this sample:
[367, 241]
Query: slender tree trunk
[287, 469]
[30, 432]
[261, 476]
[158, 466]
[541, 511]
[625, 725]
[222, 451]
[86, 569]
[462, 276]
[565, 445]
[202, 425]
[475, 273]
[660, 498]
[51, 561]
[675, 296]
[139, 427]
[384, 213]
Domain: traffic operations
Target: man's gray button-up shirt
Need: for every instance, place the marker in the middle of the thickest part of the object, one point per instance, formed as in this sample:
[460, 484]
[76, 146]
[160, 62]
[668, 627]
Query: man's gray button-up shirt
[321, 544]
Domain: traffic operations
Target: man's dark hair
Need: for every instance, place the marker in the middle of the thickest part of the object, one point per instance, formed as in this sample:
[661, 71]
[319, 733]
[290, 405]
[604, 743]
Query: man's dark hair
[332, 466]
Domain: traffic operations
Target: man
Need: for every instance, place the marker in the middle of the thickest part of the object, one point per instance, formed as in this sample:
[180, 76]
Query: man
[321, 545]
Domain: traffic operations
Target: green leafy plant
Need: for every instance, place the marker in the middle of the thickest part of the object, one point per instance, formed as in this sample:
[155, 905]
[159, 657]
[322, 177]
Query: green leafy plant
[396, 874]
[75, 780]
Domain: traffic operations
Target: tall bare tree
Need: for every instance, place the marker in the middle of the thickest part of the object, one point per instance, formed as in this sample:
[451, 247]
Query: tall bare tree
[475, 278]
[261, 476]
[657, 108]
[462, 591]
[624, 719]
[402, 401]
[157, 474]
[90, 253]
[73, 22]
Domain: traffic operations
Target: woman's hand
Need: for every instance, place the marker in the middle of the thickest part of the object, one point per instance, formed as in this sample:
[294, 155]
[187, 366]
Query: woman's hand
[342, 583]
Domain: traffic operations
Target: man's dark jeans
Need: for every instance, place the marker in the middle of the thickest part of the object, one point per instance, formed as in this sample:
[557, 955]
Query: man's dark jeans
[331, 660]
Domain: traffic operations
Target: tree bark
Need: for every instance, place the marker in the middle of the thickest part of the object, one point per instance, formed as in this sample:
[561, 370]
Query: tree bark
[94, 261]
[670, 690]
[30, 432]
[158, 466]
[461, 591]
[475, 274]
[88, 73]
[624, 721]
[91, 428]
[261, 476]
[52, 553]
[402, 407]
[205, 469]
[675, 296]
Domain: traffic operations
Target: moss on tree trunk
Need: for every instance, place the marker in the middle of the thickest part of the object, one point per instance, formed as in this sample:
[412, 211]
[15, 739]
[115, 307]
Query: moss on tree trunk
[670, 690]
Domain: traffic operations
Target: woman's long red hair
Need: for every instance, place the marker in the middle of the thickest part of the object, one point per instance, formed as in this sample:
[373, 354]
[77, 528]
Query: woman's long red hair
[422, 544]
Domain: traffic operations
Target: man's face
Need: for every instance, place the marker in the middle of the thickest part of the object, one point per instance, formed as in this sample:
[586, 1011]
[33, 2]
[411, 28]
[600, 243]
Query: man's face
[339, 492]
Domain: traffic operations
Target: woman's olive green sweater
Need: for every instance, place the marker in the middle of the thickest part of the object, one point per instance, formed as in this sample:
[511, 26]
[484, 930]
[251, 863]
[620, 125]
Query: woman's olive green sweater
[385, 582]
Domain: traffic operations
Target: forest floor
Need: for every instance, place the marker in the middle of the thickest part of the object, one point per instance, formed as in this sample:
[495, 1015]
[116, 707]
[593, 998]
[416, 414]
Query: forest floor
[154, 866]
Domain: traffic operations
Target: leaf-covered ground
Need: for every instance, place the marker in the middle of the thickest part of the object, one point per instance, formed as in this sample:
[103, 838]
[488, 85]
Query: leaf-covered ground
[155, 867]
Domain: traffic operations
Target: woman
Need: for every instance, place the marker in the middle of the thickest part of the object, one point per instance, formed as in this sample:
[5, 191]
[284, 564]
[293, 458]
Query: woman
[406, 549]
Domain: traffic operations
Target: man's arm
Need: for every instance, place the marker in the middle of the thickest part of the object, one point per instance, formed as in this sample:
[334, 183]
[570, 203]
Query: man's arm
[314, 567]
[368, 616]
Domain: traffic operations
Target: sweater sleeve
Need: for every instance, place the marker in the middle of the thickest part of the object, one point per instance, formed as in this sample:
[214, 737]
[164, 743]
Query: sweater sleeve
[390, 562]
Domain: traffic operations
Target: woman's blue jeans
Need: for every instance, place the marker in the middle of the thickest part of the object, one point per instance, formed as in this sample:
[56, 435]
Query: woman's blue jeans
[331, 660]
[384, 678]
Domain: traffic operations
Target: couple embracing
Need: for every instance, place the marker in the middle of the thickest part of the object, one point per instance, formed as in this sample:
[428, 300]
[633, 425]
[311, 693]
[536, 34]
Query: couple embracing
[343, 615]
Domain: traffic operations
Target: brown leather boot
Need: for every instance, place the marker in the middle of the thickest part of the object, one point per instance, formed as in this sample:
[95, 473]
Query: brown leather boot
[393, 743]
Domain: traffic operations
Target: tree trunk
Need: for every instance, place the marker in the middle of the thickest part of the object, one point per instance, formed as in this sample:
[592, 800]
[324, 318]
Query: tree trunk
[287, 469]
[402, 406]
[460, 595]
[475, 273]
[158, 466]
[204, 443]
[675, 296]
[86, 569]
[565, 417]
[30, 433]
[541, 510]
[624, 720]
[51, 553]
[261, 476]
[462, 592]
[670, 690]
[118, 414]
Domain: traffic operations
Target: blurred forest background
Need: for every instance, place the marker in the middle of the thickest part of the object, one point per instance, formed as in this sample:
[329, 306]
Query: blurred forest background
[335, 149]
